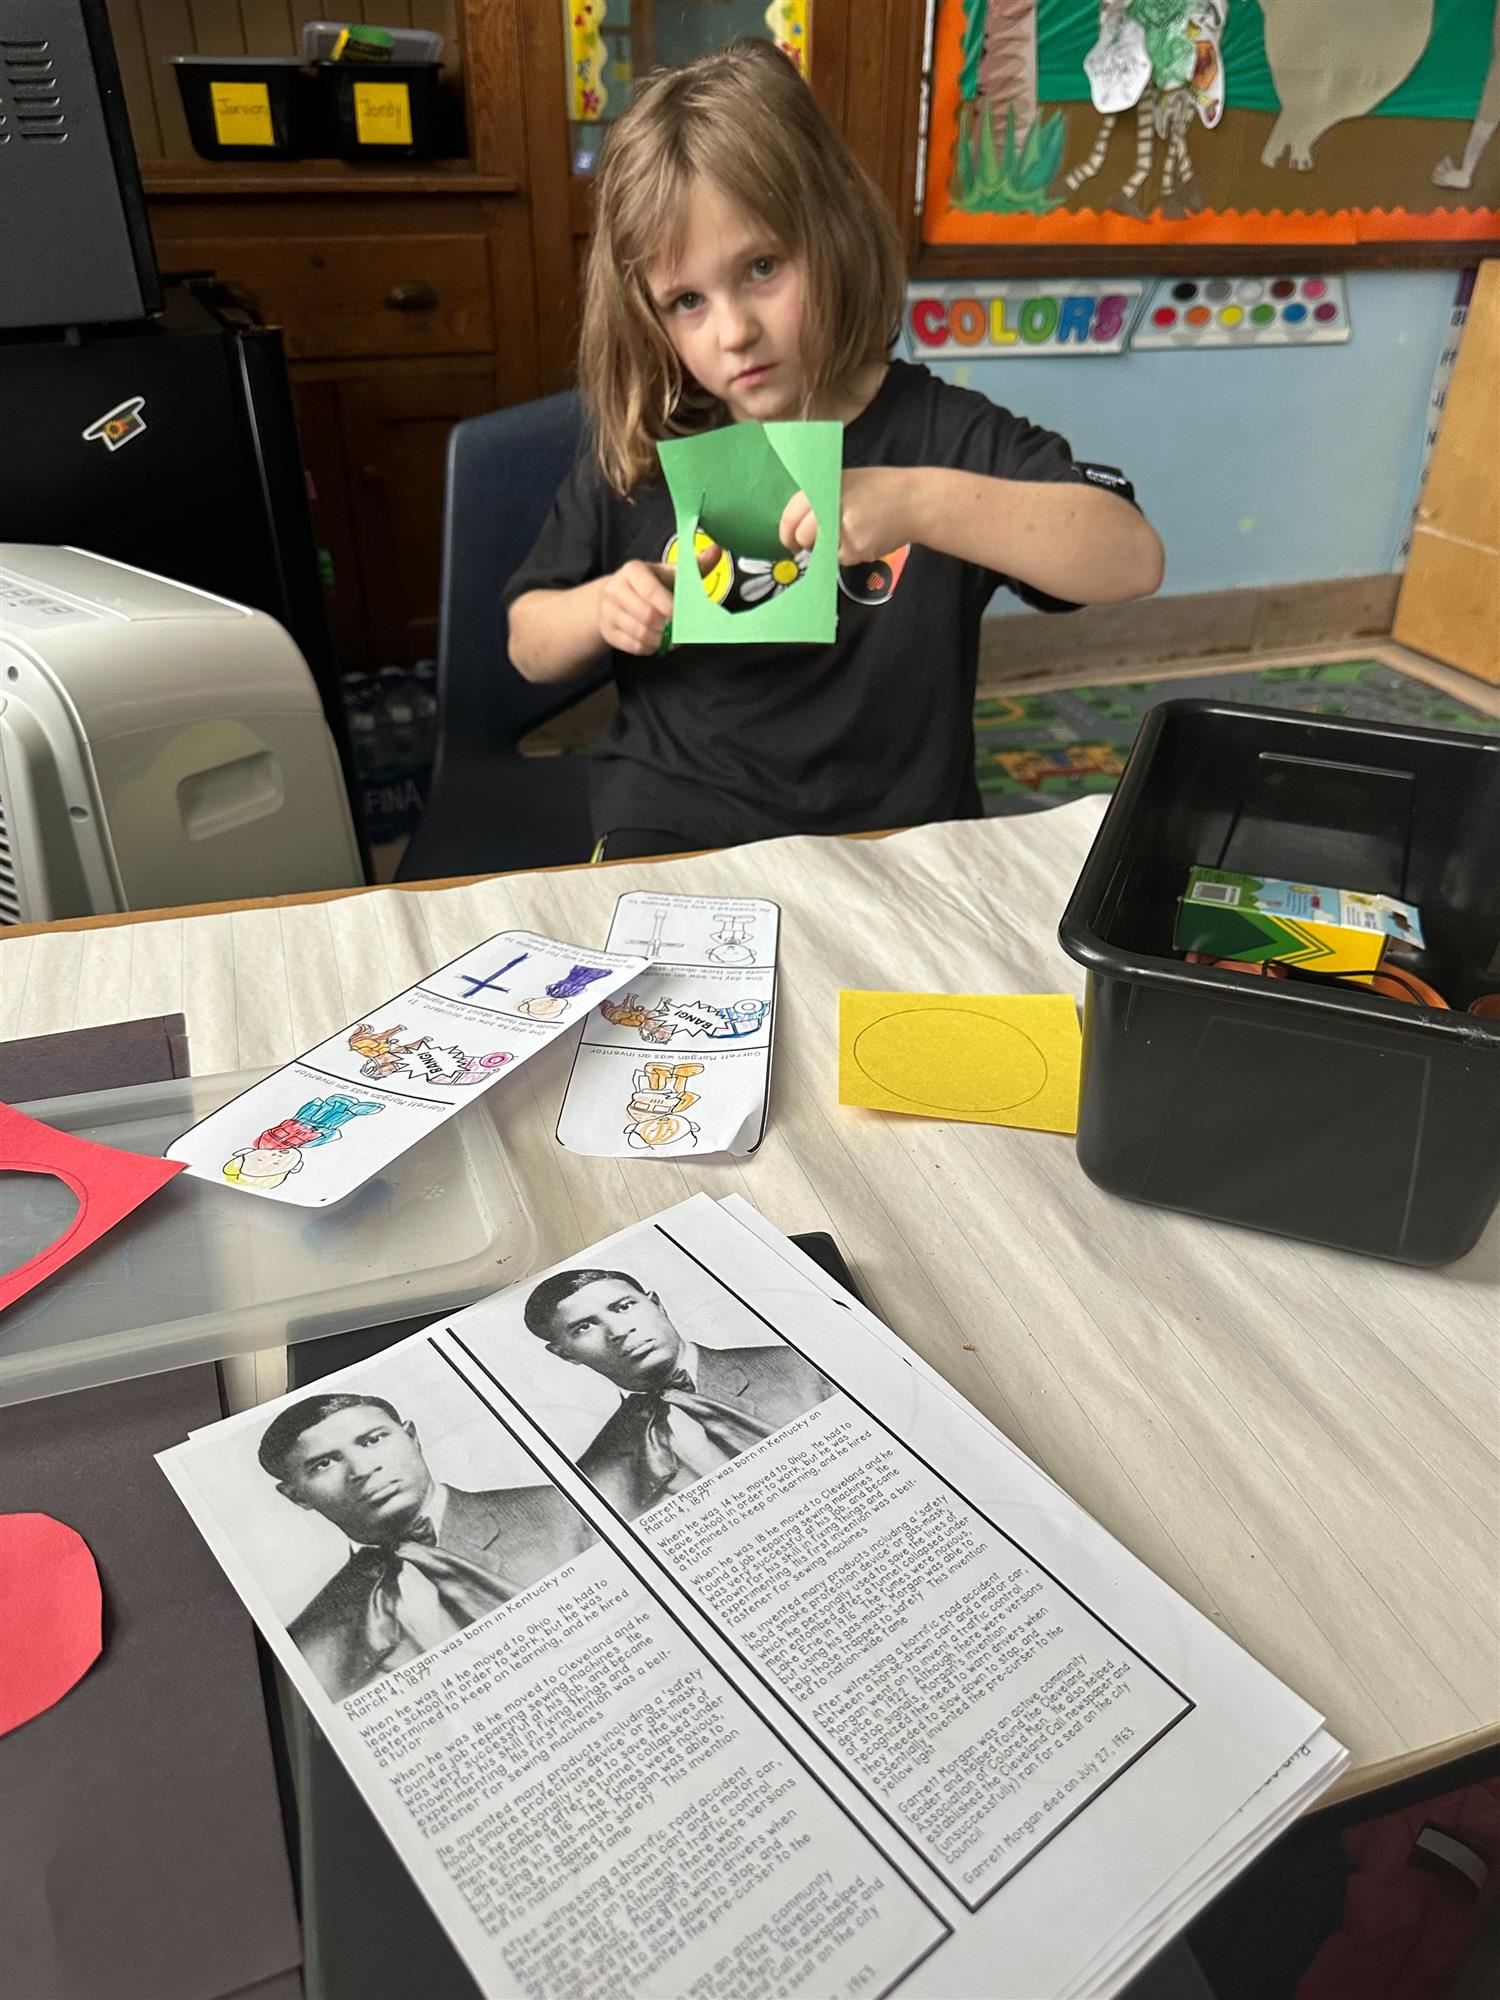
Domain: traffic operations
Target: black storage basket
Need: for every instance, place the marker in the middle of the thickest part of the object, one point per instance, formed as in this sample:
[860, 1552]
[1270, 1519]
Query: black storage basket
[1317, 1111]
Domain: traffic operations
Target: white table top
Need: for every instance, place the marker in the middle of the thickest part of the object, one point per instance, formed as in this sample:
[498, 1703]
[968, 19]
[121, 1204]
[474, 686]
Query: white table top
[1303, 1443]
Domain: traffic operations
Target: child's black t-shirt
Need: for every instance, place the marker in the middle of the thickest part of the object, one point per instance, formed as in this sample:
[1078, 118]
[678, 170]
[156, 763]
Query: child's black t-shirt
[721, 744]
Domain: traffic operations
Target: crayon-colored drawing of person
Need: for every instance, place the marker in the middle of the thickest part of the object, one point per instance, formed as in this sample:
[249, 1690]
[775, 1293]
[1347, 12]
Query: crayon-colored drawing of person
[547, 1006]
[382, 1051]
[279, 1149]
[740, 1018]
[730, 945]
[653, 1024]
[657, 1110]
[686, 1017]
[387, 1057]
[467, 1069]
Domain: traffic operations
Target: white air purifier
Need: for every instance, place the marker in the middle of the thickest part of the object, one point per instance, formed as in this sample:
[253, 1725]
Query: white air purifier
[158, 746]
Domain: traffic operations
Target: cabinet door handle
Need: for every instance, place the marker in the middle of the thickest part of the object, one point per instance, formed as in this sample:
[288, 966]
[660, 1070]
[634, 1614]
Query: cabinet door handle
[412, 295]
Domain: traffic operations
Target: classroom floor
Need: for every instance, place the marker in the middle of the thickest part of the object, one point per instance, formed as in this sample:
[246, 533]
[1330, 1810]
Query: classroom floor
[1089, 717]
[1038, 746]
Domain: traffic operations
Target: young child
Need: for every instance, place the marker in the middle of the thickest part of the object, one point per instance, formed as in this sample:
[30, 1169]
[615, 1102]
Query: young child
[744, 266]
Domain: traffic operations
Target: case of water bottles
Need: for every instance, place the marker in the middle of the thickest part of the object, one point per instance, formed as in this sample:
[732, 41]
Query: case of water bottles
[392, 716]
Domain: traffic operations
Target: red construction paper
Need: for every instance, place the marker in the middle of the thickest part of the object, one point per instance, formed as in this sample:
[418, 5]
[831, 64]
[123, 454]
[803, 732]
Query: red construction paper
[107, 1183]
[50, 1631]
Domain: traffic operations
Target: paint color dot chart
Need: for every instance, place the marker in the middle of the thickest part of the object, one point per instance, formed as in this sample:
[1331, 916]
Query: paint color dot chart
[1243, 312]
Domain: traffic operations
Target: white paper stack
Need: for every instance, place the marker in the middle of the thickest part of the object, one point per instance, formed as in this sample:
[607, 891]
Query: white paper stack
[691, 1637]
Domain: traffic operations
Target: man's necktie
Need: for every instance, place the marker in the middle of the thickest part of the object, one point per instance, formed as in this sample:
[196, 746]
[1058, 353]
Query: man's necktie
[465, 1591]
[733, 1430]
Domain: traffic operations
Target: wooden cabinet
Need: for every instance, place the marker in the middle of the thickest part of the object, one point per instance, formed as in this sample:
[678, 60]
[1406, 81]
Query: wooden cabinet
[406, 291]
[395, 434]
[374, 447]
[364, 296]
[401, 314]
[414, 293]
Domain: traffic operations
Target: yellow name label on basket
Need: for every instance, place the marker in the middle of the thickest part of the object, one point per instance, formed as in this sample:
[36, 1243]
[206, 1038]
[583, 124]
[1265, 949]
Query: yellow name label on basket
[382, 114]
[242, 114]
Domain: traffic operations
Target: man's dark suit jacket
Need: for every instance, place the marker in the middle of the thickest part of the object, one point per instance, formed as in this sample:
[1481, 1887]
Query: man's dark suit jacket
[772, 1383]
[519, 1535]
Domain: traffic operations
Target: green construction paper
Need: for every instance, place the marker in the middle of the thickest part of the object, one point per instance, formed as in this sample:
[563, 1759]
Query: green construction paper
[746, 489]
[734, 485]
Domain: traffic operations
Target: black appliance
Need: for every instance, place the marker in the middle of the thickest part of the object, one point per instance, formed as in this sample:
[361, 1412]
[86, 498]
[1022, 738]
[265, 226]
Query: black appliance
[170, 444]
[78, 248]
[144, 421]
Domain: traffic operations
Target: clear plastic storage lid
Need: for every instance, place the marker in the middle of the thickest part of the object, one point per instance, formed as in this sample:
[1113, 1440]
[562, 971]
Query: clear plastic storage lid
[199, 1272]
[407, 44]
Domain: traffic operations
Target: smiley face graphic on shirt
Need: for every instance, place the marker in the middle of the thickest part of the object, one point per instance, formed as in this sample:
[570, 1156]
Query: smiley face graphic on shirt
[718, 580]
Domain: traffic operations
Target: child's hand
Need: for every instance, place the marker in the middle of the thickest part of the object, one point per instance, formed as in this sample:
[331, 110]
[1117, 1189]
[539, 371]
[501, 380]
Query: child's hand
[636, 603]
[634, 607]
[874, 515]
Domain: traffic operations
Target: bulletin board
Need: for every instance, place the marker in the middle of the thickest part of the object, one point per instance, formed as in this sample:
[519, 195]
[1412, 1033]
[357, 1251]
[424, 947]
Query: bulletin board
[1330, 126]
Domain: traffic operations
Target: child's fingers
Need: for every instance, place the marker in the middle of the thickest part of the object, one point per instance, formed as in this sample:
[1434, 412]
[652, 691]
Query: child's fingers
[650, 584]
[667, 572]
[641, 624]
[624, 632]
[799, 524]
[636, 605]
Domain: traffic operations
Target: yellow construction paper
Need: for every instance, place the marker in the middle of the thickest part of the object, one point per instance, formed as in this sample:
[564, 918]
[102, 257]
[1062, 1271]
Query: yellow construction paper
[981, 1058]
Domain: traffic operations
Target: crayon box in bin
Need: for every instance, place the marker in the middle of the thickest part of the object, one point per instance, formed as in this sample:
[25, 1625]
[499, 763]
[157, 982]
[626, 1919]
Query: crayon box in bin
[1301, 1105]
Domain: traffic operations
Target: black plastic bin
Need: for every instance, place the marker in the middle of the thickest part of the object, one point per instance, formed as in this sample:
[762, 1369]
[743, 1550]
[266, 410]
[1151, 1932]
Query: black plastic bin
[385, 110]
[1316, 1111]
[248, 107]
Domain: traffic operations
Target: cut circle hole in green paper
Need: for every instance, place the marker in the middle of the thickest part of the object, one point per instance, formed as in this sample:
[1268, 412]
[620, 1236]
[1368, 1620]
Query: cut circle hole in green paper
[731, 486]
[758, 578]
[913, 1056]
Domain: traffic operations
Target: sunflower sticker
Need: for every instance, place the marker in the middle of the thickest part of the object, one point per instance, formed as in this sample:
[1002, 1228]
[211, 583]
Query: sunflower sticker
[761, 580]
[119, 425]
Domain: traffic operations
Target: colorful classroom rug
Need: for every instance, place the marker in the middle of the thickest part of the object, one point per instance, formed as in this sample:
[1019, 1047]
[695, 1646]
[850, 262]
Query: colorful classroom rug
[1038, 750]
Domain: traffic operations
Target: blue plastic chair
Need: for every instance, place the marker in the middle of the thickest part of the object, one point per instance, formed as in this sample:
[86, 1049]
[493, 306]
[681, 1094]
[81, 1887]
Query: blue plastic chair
[489, 808]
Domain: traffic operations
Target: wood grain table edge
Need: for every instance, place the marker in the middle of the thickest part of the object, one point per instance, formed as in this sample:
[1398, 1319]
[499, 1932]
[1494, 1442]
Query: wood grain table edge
[1359, 1780]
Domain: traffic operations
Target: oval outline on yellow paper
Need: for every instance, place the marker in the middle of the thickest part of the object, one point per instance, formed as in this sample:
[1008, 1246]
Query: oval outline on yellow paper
[1002, 1037]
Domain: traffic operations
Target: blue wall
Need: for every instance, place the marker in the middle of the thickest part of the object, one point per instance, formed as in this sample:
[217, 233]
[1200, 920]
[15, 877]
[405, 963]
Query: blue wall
[1262, 465]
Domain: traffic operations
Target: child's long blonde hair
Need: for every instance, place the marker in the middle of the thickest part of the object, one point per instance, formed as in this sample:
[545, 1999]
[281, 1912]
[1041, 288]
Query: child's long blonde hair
[743, 120]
